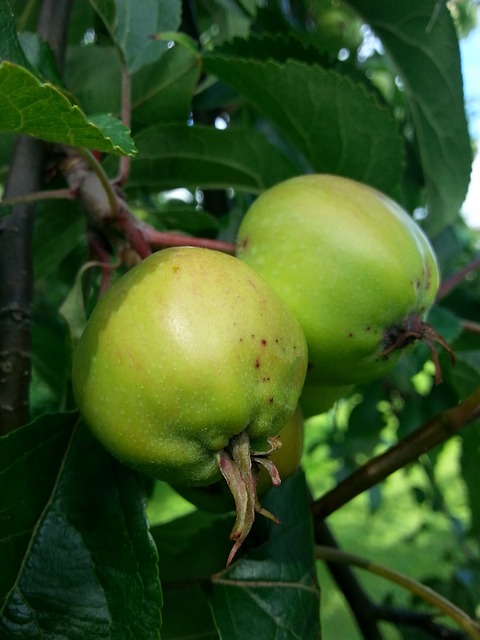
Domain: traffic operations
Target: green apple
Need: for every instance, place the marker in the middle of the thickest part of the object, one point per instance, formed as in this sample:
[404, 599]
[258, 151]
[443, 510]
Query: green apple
[337, 26]
[218, 499]
[354, 268]
[187, 368]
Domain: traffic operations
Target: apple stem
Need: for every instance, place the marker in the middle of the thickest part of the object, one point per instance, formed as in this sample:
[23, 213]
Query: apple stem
[412, 329]
[271, 469]
[239, 467]
[237, 486]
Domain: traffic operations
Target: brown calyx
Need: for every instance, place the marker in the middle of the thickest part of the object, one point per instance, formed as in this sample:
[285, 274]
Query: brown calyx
[412, 329]
[239, 467]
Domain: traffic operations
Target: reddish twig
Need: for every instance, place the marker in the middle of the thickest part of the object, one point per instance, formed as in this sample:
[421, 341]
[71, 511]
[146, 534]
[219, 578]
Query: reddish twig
[470, 325]
[419, 620]
[431, 597]
[412, 329]
[35, 196]
[108, 212]
[133, 230]
[124, 167]
[161, 239]
[106, 209]
[457, 278]
[433, 432]
[106, 267]
[88, 183]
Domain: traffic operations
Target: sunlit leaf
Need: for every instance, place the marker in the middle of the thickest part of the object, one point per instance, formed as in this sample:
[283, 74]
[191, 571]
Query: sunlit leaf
[421, 41]
[39, 109]
[335, 123]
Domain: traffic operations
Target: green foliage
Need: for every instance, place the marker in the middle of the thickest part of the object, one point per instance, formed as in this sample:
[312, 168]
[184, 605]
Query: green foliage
[424, 50]
[323, 124]
[228, 97]
[275, 585]
[191, 155]
[135, 28]
[51, 552]
[39, 109]
[10, 48]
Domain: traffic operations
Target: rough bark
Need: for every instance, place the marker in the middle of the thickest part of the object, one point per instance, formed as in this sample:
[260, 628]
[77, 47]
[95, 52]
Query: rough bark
[16, 230]
[16, 286]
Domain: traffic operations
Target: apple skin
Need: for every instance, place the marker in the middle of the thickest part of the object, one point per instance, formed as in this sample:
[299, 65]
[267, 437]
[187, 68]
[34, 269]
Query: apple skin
[188, 349]
[350, 263]
[338, 26]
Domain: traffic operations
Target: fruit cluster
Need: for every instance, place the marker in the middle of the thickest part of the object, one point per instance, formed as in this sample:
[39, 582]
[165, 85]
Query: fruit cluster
[195, 363]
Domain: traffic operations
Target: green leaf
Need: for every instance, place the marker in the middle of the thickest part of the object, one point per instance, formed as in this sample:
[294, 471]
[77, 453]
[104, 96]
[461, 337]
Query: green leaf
[134, 26]
[229, 20]
[39, 109]
[279, 47]
[94, 78]
[469, 460]
[163, 91]
[421, 41]
[275, 585]
[73, 308]
[59, 227]
[338, 126]
[179, 155]
[10, 48]
[186, 219]
[41, 56]
[464, 377]
[81, 563]
[30, 460]
[190, 549]
[51, 353]
[445, 322]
